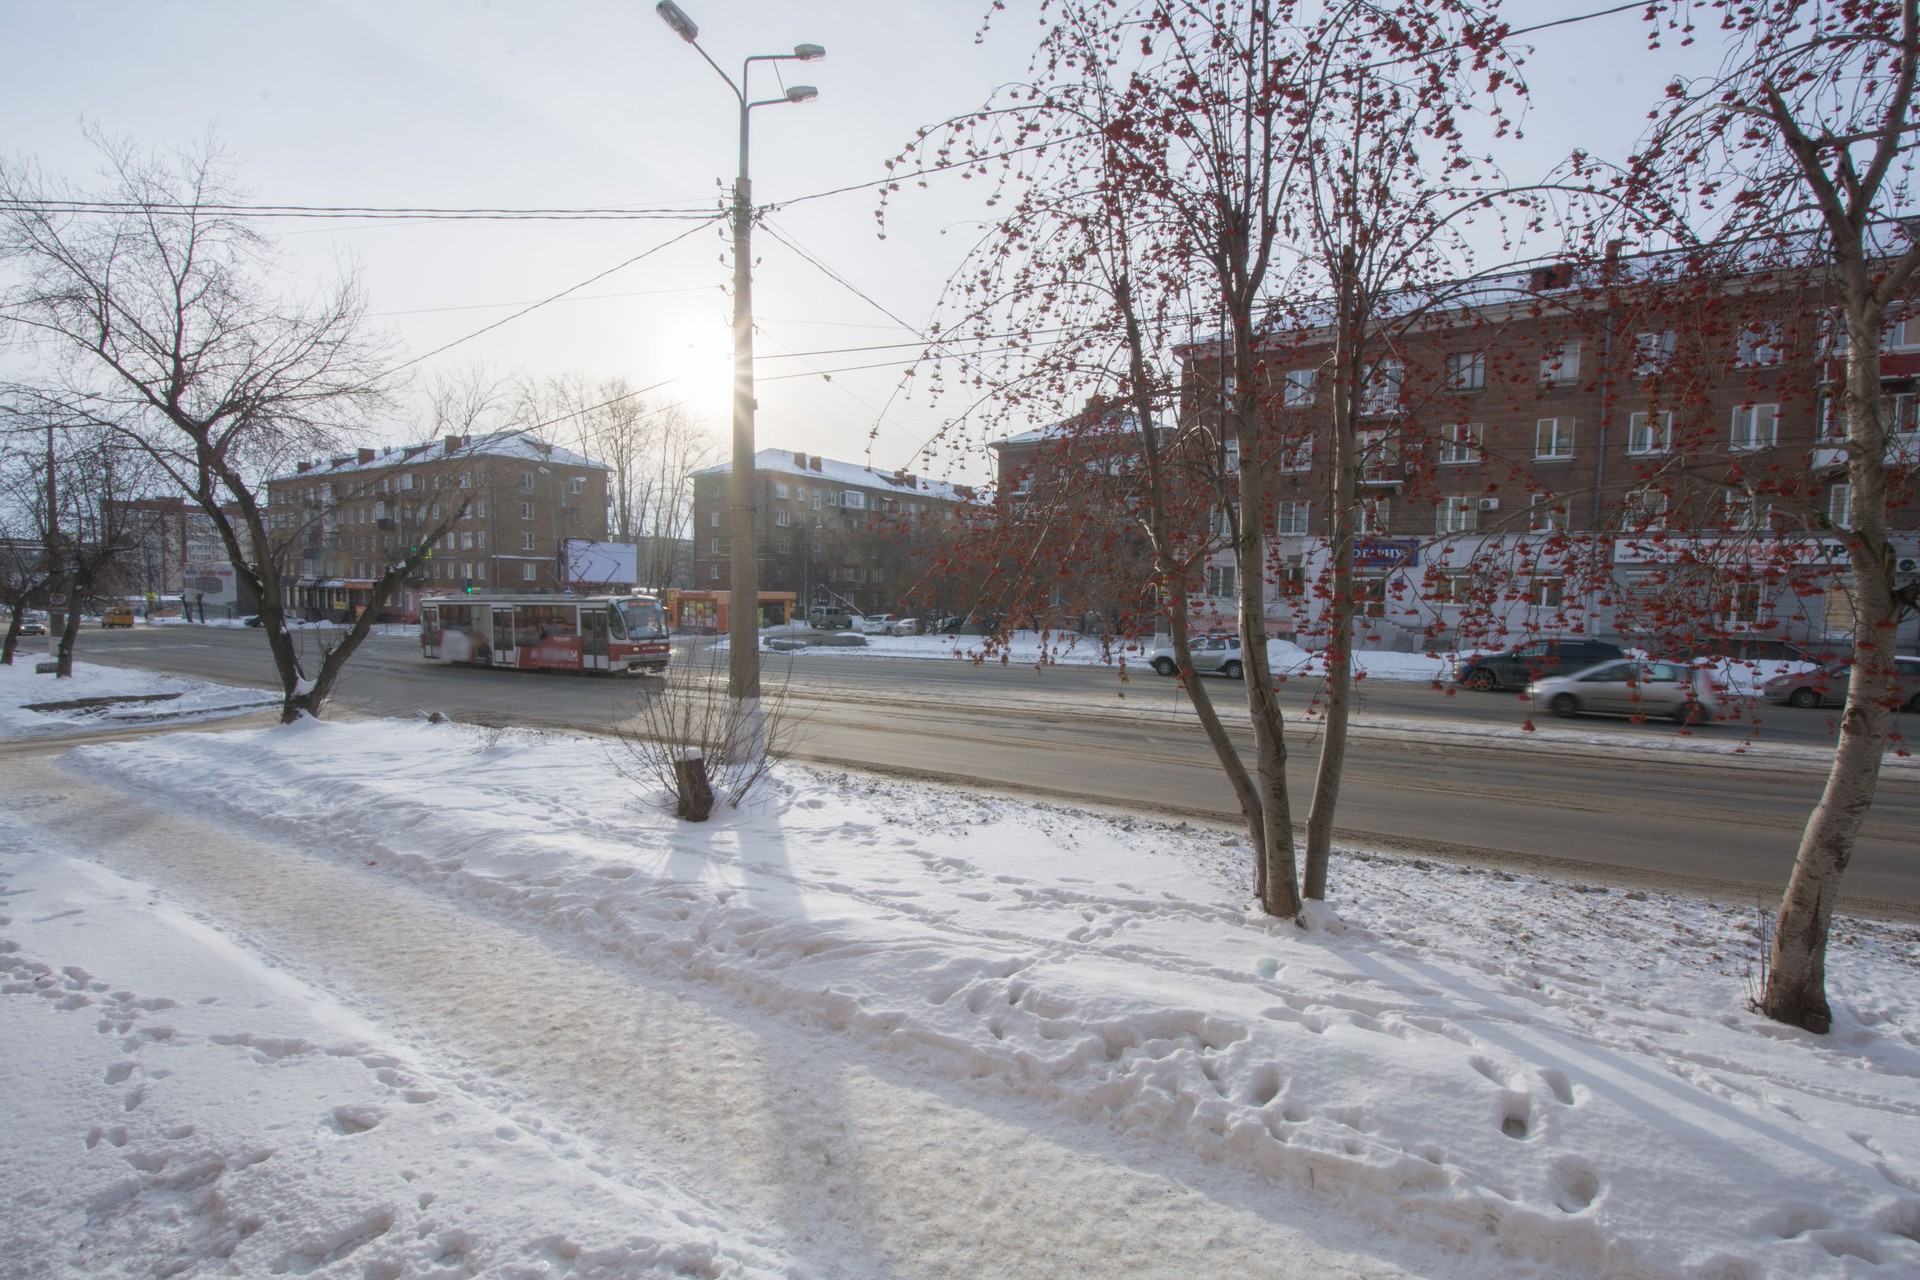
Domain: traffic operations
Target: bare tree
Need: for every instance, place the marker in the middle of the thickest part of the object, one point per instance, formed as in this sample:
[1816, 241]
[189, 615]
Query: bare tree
[163, 314]
[1801, 151]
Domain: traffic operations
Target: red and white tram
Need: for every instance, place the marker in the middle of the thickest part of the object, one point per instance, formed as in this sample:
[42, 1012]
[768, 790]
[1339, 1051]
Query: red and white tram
[545, 633]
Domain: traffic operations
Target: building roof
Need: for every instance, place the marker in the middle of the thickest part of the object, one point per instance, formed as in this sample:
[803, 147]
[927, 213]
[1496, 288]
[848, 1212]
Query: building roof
[800, 463]
[512, 445]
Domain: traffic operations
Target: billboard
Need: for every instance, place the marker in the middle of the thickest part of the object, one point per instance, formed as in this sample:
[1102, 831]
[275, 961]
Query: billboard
[602, 563]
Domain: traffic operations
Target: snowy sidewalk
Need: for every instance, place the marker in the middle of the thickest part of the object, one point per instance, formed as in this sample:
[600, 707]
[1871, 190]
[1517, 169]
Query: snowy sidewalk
[497, 1098]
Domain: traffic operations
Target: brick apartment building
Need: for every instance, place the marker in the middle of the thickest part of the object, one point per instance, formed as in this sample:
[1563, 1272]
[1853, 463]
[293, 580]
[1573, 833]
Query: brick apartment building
[338, 523]
[832, 533]
[1560, 456]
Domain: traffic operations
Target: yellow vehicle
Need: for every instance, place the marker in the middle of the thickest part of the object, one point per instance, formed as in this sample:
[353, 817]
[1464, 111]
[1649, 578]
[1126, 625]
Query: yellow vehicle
[117, 615]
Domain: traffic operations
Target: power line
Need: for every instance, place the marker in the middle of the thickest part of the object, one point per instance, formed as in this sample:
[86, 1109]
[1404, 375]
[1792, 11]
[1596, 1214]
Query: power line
[400, 213]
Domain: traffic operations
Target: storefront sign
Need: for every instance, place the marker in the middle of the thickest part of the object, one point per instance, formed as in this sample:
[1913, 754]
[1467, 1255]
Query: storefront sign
[1386, 553]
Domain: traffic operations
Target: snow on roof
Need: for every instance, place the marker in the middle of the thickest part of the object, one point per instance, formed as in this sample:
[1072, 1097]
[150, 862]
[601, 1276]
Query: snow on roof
[1077, 427]
[512, 445]
[798, 462]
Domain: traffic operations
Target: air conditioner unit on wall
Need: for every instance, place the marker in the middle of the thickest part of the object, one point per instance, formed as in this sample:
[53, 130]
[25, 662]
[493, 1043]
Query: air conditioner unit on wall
[1489, 504]
[1907, 564]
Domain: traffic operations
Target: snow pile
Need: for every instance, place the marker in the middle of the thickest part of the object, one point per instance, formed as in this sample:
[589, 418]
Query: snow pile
[1499, 1067]
[110, 697]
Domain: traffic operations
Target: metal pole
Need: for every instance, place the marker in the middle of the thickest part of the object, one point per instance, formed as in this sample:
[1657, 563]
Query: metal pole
[743, 624]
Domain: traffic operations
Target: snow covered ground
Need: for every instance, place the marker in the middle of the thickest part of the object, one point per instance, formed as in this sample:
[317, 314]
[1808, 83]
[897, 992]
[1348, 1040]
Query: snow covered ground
[382, 998]
[108, 697]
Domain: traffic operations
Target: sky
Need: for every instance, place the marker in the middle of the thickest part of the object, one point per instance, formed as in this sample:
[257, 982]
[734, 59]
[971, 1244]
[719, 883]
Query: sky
[592, 104]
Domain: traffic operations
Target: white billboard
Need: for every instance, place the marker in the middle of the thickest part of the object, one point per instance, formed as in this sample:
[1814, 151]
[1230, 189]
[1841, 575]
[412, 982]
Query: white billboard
[602, 563]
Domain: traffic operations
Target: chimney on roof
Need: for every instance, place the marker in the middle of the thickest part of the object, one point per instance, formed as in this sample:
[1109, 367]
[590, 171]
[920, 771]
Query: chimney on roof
[368, 455]
[799, 459]
[1557, 276]
[342, 460]
[453, 444]
[301, 468]
[814, 462]
[1613, 250]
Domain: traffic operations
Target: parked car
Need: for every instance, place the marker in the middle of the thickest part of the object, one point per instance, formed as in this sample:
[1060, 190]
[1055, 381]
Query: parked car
[117, 615]
[877, 624]
[1211, 654]
[829, 618]
[1827, 685]
[904, 627]
[1542, 659]
[1631, 687]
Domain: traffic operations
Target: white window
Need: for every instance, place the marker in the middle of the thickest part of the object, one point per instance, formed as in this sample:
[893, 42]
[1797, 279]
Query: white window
[576, 485]
[1370, 516]
[1743, 512]
[1547, 593]
[1755, 426]
[816, 505]
[713, 573]
[1645, 511]
[1292, 517]
[1460, 442]
[1840, 506]
[1220, 580]
[1900, 413]
[1553, 438]
[1652, 352]
[529, 572]
[1456, 515]
[1902, 334]
[526, 482]
[783, 519]
[1299, 388]
[526, 511]
[1560, 365]
[1649, 433]
[1297, 455]
[466, 542]
[781, 490]
[1232, 452]
[466, 481]
[480, 511]
[1759, 344]
[853, 500]
[1379, 455]
[713, 519]
[527, 542]
[713, 546]
[1547, 514]
[480, 540]
[1380, 393]
[1467, 370]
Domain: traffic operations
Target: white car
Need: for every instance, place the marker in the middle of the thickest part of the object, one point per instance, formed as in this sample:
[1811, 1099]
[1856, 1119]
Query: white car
[877, 624]
[1211, 654]
[1631, 687]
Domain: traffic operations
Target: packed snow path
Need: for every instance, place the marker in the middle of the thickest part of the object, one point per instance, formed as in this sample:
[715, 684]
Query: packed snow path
[795, 1142]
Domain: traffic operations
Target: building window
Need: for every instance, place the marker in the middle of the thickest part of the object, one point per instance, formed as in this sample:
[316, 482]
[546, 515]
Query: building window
[1380, 393]
[1379, 455]
[781, 490]
[1553, 439]
[480, 509]
[1758, 344]
[526, 511]
[1297, 455]
[1560, 365]
[853, 500]
[1651, 353]
[1456, 515]
[1460, 443]
[1755, 426]
[713, 573]
[1900, 413]
[1220, 580]
[466, 542]
[1840, 506]
[1645, 511]
[1547, 593]
[1744, 512]
[1467, 371]
[783, 519]
[1370, 516]
[1292, 517]
[1547, 515]
[1902, 334]
[573, 515]
[526, 482]
[529, 572]
[1649, 433]
[576, 485]
[713, 546]
[480, 540]
[1298, 392]
[527, 543]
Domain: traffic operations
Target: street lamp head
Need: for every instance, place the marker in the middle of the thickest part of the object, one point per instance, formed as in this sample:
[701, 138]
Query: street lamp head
[802, 93]
[676, 17]
[809, 52]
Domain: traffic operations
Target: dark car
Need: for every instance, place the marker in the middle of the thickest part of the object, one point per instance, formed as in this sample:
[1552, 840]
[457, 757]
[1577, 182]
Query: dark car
[32, 627]
[1542, 659]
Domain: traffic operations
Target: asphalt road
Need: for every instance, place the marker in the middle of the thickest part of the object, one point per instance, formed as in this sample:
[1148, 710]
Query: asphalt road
[1427, 770]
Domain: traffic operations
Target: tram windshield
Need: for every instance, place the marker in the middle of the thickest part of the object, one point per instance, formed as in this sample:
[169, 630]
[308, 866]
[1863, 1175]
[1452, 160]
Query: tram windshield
[641, 619]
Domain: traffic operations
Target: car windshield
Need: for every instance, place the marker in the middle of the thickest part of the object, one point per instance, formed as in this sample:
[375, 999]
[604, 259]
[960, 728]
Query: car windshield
[642, 619]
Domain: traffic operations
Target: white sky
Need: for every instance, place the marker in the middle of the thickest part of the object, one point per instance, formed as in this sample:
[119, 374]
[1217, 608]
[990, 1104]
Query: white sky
[587, 103]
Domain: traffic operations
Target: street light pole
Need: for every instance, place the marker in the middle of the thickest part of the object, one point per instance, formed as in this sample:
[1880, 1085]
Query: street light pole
[743, 623]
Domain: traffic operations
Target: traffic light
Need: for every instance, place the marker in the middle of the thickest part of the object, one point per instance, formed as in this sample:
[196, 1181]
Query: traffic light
[466, 584]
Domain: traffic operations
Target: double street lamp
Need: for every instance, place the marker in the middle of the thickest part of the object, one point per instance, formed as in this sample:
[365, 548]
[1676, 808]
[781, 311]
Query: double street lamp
[743, 628]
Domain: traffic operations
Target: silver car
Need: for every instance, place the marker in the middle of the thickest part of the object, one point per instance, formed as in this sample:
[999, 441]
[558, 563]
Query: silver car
[1827, 686]
[1211, 655]
[1631, 687]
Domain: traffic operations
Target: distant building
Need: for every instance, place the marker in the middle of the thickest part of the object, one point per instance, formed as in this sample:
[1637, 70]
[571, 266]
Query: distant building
[338, 524]
[830, 532]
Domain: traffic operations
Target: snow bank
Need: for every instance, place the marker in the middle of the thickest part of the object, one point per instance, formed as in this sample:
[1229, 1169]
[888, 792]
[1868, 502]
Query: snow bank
[1495, 1066]
[110, 697]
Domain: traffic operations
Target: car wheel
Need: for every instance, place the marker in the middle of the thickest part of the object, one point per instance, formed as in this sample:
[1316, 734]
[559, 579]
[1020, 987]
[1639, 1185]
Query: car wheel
[1804, 697]
[1165, 666]
[1913, 703]
[1689, 713]
[1564, 705]
[1480, 680]
[1233, 671]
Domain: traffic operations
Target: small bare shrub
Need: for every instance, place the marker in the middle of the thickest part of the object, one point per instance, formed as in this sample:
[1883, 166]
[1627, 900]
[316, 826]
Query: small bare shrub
[686, 734]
